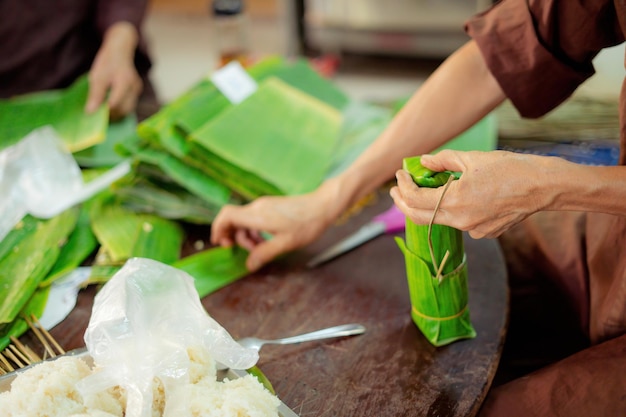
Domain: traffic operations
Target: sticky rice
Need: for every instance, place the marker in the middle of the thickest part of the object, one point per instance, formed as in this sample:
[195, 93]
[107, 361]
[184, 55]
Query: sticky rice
[49, 389]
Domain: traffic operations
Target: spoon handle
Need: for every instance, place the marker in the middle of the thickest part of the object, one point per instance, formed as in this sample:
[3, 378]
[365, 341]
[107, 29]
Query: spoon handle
[336, 331]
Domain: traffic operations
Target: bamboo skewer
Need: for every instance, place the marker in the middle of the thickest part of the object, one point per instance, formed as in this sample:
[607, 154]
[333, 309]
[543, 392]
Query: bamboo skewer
[30, 354]
[18, 355]
[44, 337]
[5, 366]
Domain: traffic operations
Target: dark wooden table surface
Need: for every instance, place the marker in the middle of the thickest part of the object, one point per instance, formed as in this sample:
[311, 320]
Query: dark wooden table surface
[391, 370]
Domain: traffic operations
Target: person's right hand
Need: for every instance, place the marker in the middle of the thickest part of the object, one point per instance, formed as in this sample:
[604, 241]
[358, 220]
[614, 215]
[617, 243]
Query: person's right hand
[497, 190]
[293, 222]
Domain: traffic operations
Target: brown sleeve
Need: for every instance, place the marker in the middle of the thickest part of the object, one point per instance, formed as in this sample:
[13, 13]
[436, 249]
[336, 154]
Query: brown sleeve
[540, 51]
[588, 383]
[109, 12]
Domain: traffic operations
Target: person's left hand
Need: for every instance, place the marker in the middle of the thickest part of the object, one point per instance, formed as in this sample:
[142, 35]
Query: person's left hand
[496, 190]
[113, 72]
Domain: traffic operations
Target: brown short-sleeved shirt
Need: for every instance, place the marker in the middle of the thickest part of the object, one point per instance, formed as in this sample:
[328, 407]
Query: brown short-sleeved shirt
[48, 44]
[540, 52]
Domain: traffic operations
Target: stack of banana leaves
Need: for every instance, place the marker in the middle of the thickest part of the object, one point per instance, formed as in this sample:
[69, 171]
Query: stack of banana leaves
[280, 140]
[196, 154]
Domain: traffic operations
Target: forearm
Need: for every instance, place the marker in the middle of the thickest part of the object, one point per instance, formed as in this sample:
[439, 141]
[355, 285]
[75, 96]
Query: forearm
[458, 94]
[576, 187]
[121, 39]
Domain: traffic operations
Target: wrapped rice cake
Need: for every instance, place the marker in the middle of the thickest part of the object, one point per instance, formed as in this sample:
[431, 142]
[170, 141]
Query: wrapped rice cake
[436, 270]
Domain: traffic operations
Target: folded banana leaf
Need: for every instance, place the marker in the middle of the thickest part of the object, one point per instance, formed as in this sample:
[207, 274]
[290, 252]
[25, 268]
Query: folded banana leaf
[436, 270]
[63, 109]
[278, 138]
[105, 153]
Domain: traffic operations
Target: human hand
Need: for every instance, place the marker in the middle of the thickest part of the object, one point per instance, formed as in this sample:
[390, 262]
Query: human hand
[292, 221]
[113, 72]
[496, 191]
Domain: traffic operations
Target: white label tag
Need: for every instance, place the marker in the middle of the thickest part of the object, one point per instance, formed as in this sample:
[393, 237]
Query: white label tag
[234, 82]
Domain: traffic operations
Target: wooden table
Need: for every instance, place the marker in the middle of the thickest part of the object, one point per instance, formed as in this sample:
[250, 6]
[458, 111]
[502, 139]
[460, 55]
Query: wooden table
[391, 370]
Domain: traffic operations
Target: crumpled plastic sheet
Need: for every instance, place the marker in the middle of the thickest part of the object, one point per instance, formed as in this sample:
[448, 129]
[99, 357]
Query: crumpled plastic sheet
[39, 176]
[142, 323]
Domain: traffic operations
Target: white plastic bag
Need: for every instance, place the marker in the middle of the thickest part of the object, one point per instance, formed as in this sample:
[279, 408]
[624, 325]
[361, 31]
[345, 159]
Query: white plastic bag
[38, 176]
[142, 323]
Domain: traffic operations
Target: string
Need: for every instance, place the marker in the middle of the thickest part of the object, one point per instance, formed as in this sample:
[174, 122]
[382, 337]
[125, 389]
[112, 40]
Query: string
[457, 315]
[438, 268]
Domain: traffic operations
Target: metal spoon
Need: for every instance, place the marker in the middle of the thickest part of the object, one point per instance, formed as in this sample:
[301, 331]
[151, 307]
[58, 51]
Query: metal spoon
[336, 331]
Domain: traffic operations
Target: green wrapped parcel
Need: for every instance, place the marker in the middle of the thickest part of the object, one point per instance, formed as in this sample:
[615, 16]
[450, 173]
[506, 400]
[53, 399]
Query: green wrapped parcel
[436, 269]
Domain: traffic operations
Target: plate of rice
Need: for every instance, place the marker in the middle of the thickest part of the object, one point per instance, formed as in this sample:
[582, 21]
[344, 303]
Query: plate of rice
[49, 389]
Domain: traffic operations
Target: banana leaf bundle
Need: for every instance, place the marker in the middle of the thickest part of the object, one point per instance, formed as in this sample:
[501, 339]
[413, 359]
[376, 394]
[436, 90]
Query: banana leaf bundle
[197, 131]
[63, 109]
[284, 147]
[436, 270]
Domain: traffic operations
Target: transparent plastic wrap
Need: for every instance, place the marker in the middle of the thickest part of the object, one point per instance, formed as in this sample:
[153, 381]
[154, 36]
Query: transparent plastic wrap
[143, 321]
[38, 176]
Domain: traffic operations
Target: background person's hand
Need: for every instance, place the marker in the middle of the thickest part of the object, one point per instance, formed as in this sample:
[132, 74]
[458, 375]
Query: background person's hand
[496, 190]
[293, 222]
[113, 76]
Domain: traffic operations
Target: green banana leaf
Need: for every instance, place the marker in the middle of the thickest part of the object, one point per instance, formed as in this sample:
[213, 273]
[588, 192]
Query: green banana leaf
[286, 142]
[63, 109]
[80, 244]
[214, 268]
[436, 270]
[185, 175]
[211, 269]
[35, 306]
[100, 274]
[105, 153]
[125, 234]
[141, 195]
[30, 259]
[241, 181]
[301, 75]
